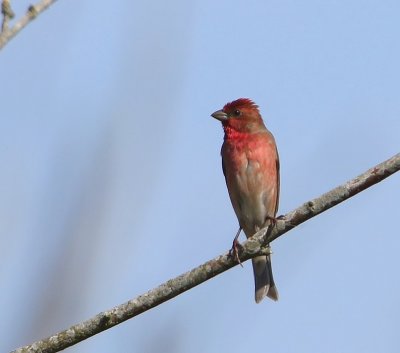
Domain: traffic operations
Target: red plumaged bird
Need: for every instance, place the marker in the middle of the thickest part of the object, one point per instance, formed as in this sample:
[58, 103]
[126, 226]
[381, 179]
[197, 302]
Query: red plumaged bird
[250, 163]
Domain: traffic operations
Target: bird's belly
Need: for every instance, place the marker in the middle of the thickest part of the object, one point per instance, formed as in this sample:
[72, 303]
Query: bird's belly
[252, 197]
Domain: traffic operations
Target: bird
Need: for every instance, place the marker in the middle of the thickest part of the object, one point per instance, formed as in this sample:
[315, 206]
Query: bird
[250, 163]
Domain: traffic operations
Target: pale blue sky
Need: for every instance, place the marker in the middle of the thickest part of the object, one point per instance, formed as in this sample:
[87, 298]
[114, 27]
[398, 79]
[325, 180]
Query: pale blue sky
[112, 180]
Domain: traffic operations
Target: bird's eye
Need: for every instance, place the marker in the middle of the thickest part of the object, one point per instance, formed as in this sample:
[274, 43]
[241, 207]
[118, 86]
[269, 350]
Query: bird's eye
[236, 112]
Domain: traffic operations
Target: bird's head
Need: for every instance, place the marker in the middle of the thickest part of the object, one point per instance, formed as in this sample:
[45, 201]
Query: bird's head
[241, 115]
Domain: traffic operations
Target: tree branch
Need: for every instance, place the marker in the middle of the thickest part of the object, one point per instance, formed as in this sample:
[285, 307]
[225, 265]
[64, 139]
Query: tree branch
[33, 11]
[252, 247]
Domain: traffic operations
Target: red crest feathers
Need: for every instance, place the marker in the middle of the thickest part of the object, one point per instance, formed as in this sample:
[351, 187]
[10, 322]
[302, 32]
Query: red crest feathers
[240, 103]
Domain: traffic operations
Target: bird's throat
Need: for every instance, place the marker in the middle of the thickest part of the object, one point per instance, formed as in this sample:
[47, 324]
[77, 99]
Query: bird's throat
[233, 134]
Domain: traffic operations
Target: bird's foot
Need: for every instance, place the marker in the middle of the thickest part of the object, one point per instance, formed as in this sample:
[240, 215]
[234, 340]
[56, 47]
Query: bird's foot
[234, 252]
[274, 220]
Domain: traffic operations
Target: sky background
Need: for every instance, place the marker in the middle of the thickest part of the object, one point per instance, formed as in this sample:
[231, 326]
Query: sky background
[112, 184]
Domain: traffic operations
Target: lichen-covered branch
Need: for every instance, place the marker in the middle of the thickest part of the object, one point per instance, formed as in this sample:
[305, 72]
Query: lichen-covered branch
[252, 247]
[31, 13]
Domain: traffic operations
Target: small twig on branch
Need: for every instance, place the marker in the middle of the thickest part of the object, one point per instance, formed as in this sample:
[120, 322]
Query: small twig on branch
[32, 12]
[252, 247]
[7, 13]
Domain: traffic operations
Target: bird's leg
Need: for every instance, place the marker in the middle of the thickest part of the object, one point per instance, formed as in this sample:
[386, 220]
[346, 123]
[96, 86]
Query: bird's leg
[234, 252]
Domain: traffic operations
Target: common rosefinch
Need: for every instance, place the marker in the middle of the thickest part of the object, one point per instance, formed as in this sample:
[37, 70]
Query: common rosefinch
[250, 164]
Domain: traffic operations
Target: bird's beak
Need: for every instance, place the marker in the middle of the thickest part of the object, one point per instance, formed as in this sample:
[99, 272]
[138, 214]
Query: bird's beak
[220, 115]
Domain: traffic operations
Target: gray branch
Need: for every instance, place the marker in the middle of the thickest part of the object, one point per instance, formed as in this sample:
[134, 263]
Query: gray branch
[32, 12]
[252, 247]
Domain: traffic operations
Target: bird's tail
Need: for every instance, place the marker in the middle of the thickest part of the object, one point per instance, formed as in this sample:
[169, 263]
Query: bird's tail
[264, 281]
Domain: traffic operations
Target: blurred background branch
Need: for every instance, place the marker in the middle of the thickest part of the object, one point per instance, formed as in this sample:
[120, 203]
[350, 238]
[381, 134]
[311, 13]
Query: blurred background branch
[7, 33]
[251, 248]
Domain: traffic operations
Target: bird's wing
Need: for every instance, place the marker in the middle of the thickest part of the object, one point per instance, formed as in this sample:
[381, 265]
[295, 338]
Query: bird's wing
[277, 183]
[223, 165]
